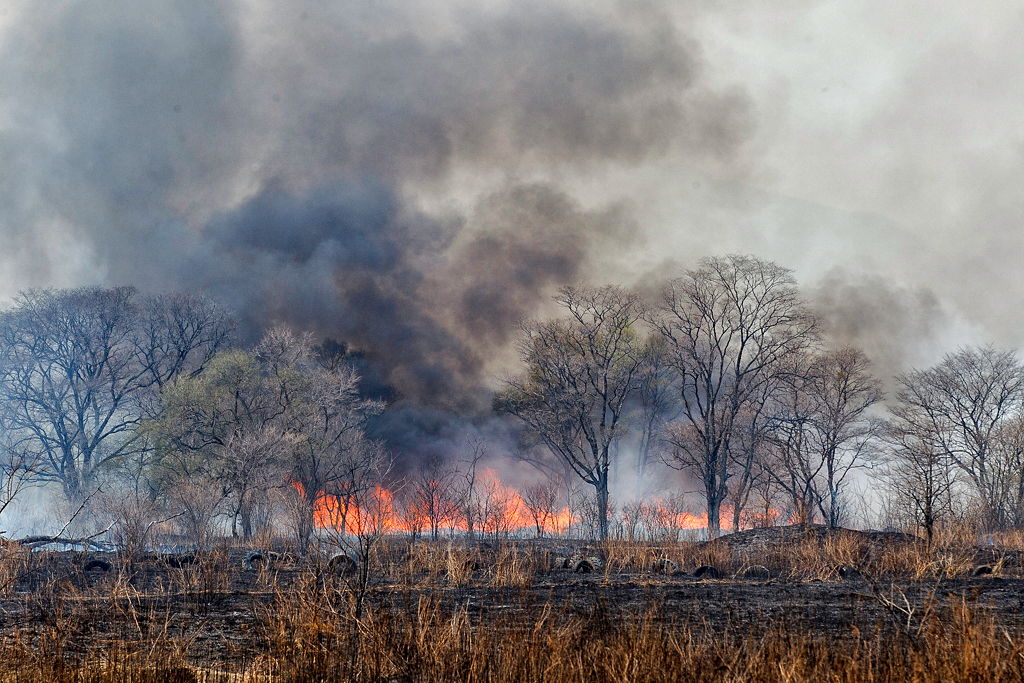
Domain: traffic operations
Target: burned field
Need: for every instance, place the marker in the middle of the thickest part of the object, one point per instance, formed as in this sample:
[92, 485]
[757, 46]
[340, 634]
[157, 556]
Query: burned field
[734, 609]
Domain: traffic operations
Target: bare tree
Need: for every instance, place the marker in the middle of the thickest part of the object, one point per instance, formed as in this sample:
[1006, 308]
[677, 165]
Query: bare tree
[365, 514]
[792, 460]
[179, 333]
[250, 466]
[663, 519]
[919, 476]
[80, 367]
[465, 487]
[728, 325]
[843, 392]
[433, 488]
[326, 417]
[748, 453]
[198, 505]
[633, 514]
[20, 465]
[541, 503]
[820, 429]
[409, 514]
[958, 408]
[499, 509]
[333, 508]
[764, 509]
[1009, 461]
[657, 401]
[580, 372]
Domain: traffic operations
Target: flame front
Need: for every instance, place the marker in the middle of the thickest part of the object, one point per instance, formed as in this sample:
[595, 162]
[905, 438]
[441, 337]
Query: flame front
[498, 509]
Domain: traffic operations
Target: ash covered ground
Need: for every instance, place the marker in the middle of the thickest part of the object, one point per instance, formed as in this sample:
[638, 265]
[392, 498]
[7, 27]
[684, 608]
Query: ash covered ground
[225, 608]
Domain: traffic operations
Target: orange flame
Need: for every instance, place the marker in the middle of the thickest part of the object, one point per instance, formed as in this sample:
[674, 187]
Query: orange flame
[499, 508]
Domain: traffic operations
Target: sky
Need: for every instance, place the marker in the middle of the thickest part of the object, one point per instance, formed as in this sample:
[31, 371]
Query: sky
[413, 177]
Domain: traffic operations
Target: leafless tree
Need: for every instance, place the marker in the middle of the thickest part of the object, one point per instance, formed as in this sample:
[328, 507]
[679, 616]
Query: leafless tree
[959, 408]
[198, 505]
[133, 516]
[21, 465]
[764, 509]
[657, 400]
[1008, 461]
[919, 476]
[366, 462]
[728, 324]
[748, 450]
[580, 372]
[541, 503]
[631, 519]
[409, 514]
[663, 518]
[80, 367]
[843, 392]
[465, 487]
[179, 333]
[249, 467]
[821, 429]
[433, 488]
[499, 508]
[792, 460]
[366, 514]
[326, 417]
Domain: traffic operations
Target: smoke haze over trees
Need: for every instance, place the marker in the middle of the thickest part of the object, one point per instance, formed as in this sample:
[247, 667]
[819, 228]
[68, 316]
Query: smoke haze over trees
[415, 179]
[150, 403]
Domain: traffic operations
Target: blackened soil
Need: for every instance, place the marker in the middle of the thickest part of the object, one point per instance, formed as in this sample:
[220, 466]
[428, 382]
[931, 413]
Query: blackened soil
[219, 613]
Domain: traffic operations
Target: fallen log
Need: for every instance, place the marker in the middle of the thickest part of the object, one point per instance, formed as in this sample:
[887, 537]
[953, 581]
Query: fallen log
[37, 541]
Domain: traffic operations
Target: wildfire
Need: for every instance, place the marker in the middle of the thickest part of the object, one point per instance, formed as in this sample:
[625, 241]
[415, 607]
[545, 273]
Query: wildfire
[372, 512]
[496, 508]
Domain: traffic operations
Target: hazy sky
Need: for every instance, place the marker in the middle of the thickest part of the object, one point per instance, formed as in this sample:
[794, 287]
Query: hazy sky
[414, 175]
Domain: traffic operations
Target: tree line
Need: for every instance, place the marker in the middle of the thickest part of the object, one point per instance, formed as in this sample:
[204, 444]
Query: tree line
[726, 375]
[148, 403]
[147, 406]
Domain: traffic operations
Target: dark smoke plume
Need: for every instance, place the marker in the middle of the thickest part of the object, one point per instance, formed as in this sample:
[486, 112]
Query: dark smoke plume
[285, 158]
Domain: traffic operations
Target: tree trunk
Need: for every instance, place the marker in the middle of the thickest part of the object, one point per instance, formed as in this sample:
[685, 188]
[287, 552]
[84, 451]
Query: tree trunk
[833, 492]
[602, 509]
[833, 509]
[245, 513]
[714, 516]
[929, 522]
[305, 527]
[714, 498]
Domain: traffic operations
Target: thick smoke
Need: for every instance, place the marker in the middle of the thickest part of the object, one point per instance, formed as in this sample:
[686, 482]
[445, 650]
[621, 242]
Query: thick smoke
[898, 327]
[352, 262]
[386, 173]
[414, 177]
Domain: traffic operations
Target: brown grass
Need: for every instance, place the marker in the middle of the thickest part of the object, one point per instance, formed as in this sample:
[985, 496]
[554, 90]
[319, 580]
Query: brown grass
[310, 639]
[418, 631]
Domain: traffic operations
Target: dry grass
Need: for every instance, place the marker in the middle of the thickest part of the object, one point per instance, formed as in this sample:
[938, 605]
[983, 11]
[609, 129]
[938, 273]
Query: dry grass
[310, 638]
[513, 568]
[308, 630]
[15, 561]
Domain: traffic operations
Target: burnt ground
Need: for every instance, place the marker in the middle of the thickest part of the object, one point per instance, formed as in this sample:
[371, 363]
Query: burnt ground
[219, 613]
